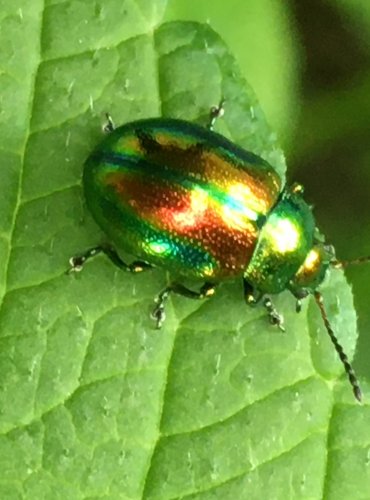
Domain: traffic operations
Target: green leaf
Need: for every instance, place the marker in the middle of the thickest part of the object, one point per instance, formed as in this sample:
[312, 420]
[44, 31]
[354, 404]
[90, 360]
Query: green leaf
[94, 402]
[263, 43]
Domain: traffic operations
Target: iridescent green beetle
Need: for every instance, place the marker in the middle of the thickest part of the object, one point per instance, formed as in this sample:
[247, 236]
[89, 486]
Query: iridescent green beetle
[180, 196]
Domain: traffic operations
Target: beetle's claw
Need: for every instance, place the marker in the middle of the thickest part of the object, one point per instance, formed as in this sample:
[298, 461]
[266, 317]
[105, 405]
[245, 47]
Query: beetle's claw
[109, 126]
[159, 315]
[215, 113]
[277, 320]
[76, 264]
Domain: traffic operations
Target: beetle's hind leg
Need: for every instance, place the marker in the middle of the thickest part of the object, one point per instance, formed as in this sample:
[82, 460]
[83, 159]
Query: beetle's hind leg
[77, 262]
[253, 297]
[158, 313]
[215, 113]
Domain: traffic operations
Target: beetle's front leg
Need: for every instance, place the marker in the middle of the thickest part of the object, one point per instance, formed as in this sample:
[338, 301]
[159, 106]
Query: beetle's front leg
[253, 297]
[274, 317]
[158, 313]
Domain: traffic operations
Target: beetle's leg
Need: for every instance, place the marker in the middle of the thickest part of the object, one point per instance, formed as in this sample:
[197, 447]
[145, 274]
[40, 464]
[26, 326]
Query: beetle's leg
[298, 306]
[253, 297]
[158, 313]
[274, 317]
[109, 126]
[216, 112]
[77, 262]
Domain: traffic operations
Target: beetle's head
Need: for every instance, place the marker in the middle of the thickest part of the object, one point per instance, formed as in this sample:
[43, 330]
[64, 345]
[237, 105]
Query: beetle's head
[313, 270]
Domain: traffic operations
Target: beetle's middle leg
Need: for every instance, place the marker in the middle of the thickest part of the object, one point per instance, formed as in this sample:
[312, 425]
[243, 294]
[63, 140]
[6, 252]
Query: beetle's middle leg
[253, 298]
[158, 313]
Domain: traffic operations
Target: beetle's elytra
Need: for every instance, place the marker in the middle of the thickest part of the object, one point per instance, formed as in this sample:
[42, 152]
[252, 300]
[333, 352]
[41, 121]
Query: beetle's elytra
[180, 196]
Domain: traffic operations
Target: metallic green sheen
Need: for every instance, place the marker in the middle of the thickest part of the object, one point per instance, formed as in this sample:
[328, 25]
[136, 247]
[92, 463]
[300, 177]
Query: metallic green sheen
[187, 199]
[172, 193]
[271, 268]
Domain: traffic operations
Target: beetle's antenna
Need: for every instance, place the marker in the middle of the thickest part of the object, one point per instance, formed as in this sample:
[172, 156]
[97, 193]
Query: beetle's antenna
[339, 264]
[342, 355]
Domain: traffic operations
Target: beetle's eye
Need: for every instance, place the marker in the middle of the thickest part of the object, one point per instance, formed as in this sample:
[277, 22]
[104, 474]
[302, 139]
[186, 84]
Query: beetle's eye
[312, 271]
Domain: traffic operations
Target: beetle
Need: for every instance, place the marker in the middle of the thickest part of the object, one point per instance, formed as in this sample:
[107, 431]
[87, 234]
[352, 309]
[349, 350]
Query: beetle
[180, 196]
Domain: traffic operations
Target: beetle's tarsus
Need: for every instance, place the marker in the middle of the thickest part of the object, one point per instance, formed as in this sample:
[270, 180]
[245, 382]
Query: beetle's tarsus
[253, 297]
[158, 313]
[275, 318]
[109, 126]
[77, 262]
[215, 113]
